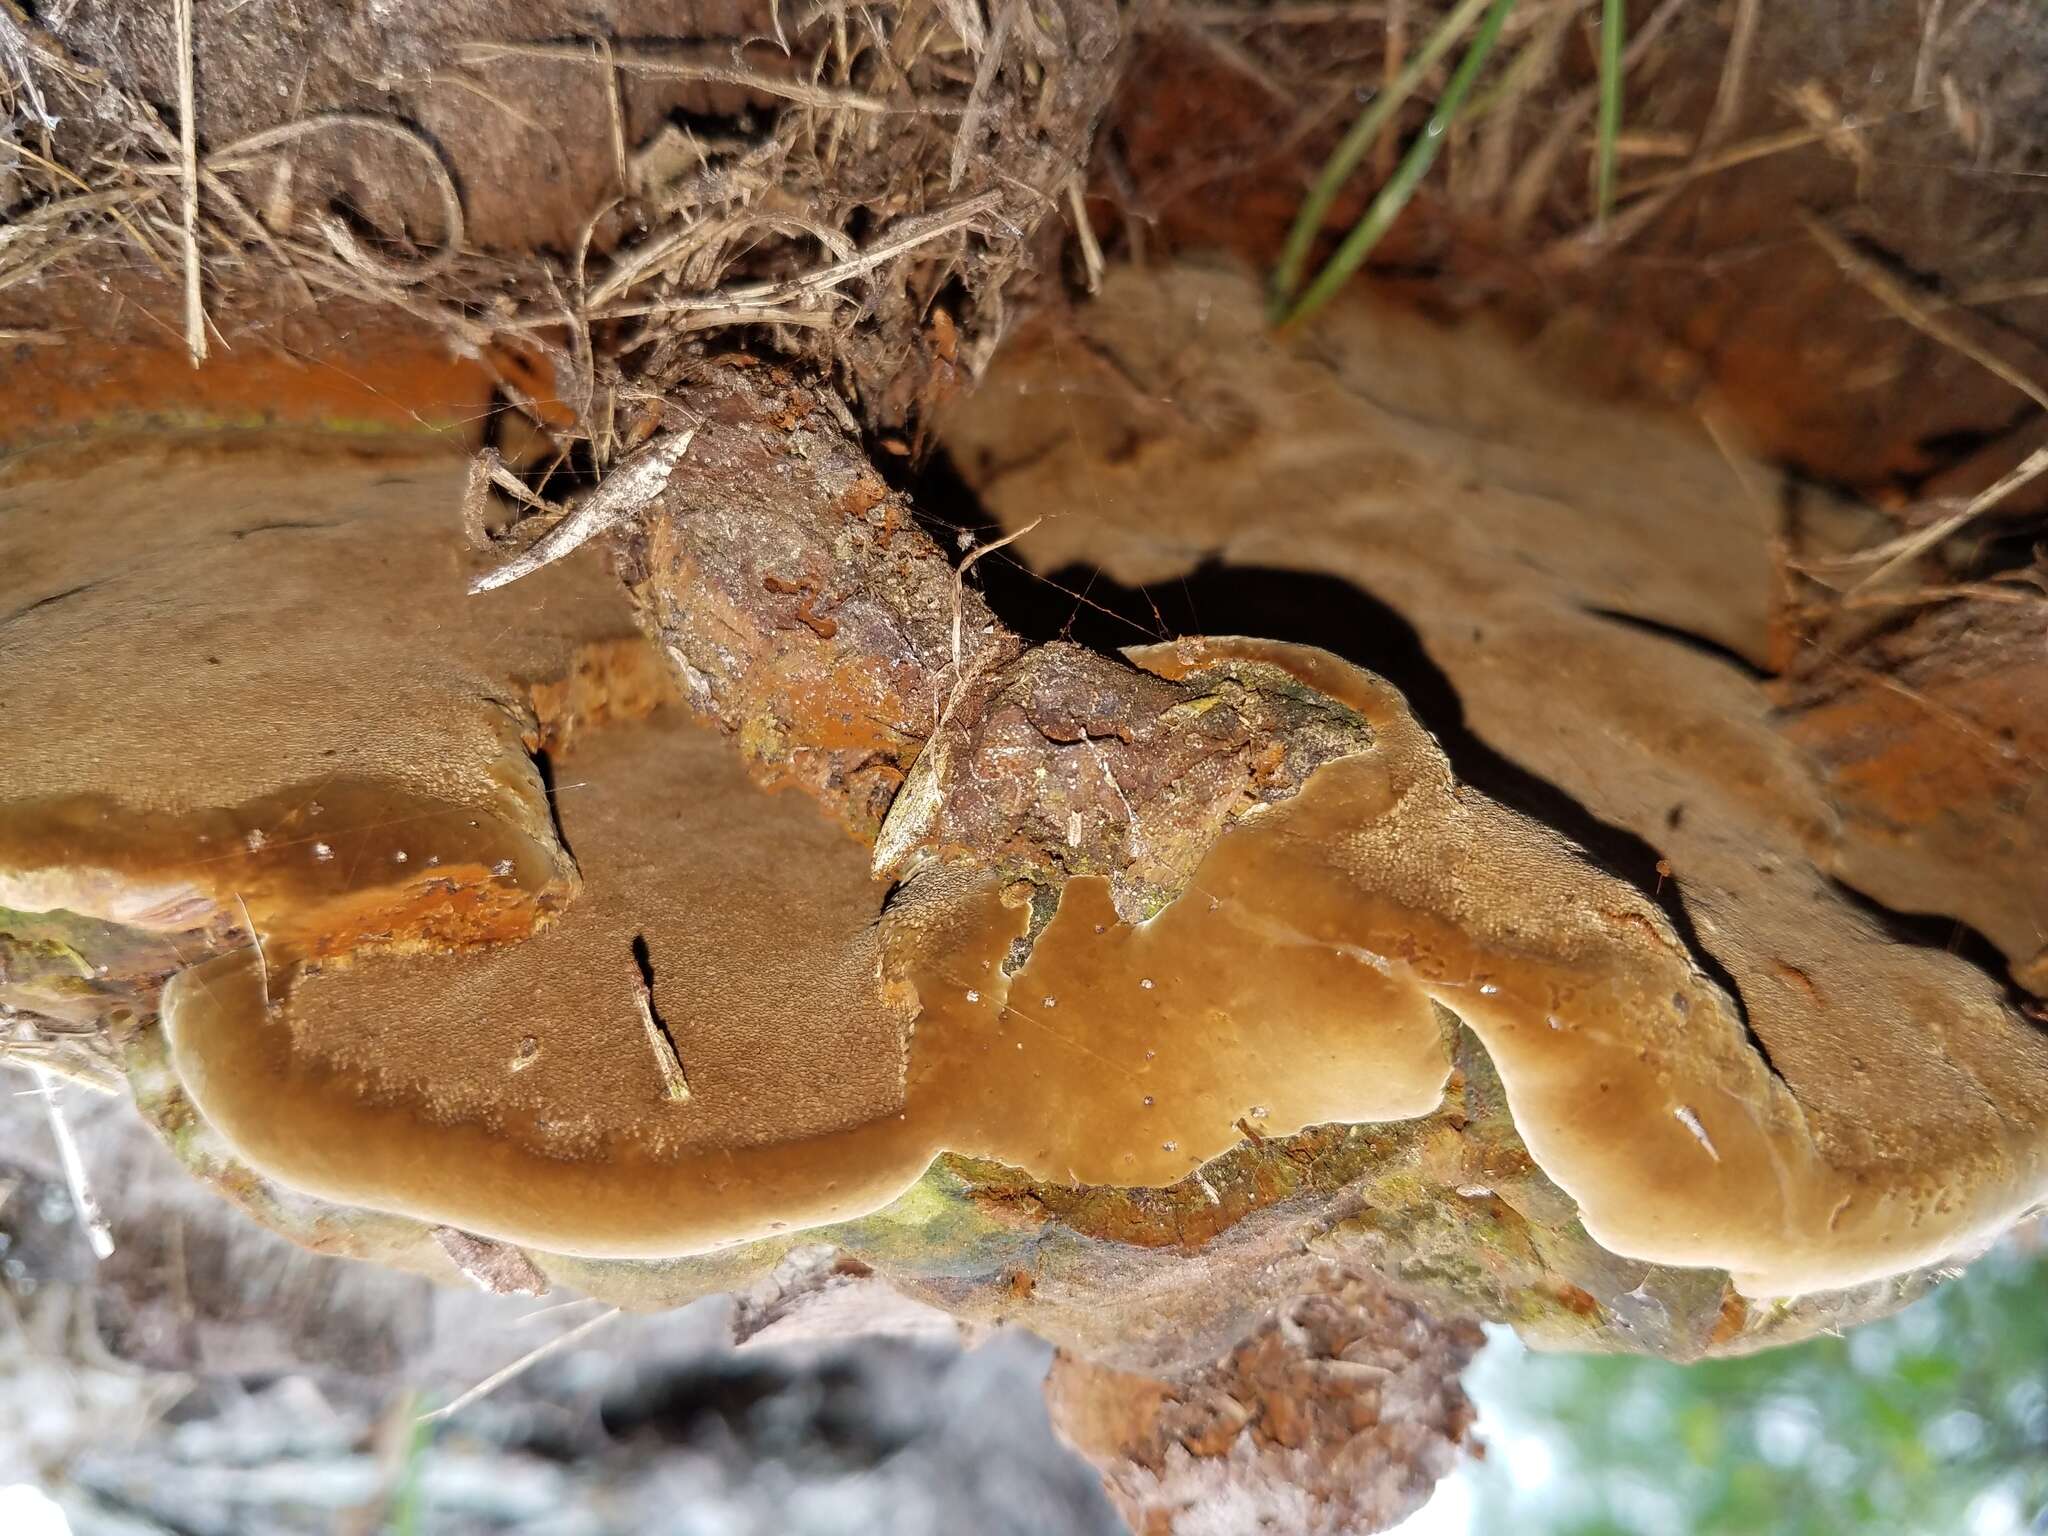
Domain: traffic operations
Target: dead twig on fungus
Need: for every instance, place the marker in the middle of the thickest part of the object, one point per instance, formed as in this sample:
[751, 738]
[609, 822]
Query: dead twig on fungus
[636, 481]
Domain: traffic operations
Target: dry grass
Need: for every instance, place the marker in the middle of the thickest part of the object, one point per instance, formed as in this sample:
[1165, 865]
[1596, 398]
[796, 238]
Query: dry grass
[519, 1367]
[914, 153]
[188, 169]
[1917, 310]
[903, 153]
[74, 1053]
[1516, 144]
[1293, 306]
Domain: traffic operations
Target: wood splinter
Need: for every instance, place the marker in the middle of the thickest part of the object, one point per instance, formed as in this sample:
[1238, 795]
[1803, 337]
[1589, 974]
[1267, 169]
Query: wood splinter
[638, 479]
[675, 1083]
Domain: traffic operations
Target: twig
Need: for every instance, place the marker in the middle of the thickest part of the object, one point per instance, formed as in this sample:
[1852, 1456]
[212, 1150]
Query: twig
[965, 17]
[477, 88]
[1396, 55]
[825, 97]
[77, 1054]
[1915, 311]
[977, 95]
[97, 1233]
[1653, 194]
[2011, 593]
[1914, 545]
[518, 1367]
[1759, 148]
[675, 1082]
[1091, 251]
[751, 314]
[1962, 22]
[906, 236]
[550, 1310]
[1923, 65]
[2004, 292]
[1727, 108]
[960, 577]
[188, 149]
[245, 152]
[1500, 105]
[637, 480]
[226, 196]
[1963, 725]
[262, 961]
[487, 469]
[1233, 55]
[617, 109]
[1288, 13]
[1539, 169]
[114, 212]
[684, 244]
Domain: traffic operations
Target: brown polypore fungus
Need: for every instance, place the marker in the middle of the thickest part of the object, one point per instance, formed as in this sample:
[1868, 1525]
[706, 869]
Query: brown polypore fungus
[1885, 1100]
[1117, 920]
[270, 707]
[1297, 979]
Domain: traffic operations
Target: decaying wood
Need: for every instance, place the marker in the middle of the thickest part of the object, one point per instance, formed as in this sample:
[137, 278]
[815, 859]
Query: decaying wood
[1345, 1378]
[802, 606]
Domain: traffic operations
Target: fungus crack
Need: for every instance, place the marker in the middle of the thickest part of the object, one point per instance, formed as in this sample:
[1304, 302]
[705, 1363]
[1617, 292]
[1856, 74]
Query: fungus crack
[1703, 645]
[238, 534]
[544, 766]
[1929, 930]
[47, 602]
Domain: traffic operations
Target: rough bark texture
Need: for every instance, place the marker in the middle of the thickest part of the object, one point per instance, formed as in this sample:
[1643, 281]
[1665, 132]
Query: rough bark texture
[798, 601]
[1335, 1417]
[805, 609]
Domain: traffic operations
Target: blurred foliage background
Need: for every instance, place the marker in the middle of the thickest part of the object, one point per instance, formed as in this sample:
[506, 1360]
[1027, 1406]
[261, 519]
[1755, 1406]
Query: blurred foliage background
[1931, 1423]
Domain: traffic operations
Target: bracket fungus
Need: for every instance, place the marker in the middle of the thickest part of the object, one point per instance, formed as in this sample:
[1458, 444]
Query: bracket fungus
[271, 712]
[1197, 957]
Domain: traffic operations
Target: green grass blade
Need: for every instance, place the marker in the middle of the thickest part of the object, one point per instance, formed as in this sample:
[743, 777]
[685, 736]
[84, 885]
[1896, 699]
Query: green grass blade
[1613, 24]
[1352, 148]
[1393, 197]
[408, 1498]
